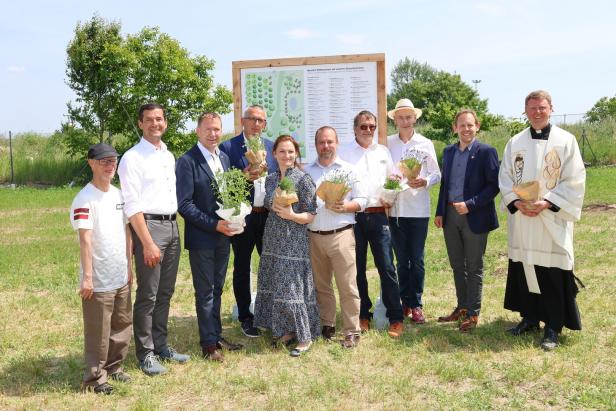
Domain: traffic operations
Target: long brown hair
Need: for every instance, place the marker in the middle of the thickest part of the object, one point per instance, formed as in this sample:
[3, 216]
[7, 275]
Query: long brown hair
[286, 137]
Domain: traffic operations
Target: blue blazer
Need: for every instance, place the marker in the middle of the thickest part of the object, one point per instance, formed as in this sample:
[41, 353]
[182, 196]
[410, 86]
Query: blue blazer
[480, 186]
[197, 199]
[235, 149]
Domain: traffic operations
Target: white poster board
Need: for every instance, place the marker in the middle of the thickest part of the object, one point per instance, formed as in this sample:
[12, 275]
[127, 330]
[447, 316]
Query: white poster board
[300, 98]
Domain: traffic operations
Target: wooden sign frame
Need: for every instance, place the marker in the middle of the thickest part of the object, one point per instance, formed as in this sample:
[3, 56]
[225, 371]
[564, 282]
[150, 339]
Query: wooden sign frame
[379, 58]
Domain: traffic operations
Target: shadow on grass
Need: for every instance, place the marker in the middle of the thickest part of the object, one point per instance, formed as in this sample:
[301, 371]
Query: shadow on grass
[492, 337]
[30, 375]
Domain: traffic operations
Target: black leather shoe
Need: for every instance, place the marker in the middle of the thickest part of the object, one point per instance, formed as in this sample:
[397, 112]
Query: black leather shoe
[525, 326]
[229, 346]
[550, 339]
[328, 332]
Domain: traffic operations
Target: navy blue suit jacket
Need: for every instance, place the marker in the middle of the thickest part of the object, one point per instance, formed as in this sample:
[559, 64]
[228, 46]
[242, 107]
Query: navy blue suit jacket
[480, 186]
[236, 149]
[197, 199]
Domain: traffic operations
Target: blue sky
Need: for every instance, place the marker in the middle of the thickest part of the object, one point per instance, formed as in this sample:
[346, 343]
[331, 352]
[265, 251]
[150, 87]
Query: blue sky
[513, 47]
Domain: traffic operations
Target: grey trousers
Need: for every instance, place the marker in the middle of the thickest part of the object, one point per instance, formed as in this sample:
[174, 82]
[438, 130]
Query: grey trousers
[465, 250]
[155, 287]
[106, 333]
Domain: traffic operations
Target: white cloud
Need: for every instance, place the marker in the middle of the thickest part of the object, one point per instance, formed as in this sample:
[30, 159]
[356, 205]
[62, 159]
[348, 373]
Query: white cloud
[350, 39]
[15, 69]
[301, 34]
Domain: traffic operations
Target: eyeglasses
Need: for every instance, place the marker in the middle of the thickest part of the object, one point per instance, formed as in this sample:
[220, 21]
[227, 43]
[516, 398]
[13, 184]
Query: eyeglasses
[256, 119]
[365, 127]
[108, 161]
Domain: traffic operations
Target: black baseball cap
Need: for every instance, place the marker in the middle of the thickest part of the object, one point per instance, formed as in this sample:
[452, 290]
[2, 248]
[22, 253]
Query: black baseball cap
[101, 150]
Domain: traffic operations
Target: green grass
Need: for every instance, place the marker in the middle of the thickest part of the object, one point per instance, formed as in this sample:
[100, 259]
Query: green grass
[431, 367]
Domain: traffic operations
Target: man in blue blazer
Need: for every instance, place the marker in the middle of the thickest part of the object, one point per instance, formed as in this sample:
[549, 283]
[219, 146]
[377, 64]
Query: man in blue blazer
[253, 122]
[206, 236]
[466, 212]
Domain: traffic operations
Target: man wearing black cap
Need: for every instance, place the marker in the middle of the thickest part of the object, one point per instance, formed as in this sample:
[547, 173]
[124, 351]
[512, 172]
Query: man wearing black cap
[97, 213]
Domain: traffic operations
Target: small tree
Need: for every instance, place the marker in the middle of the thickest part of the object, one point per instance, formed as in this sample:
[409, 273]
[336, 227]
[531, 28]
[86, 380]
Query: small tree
[96, 67]
[112, 76]
[604, 108]
[439, 94]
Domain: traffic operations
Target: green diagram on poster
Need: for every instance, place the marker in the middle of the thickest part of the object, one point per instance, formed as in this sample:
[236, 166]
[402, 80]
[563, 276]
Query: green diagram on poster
[281, 94]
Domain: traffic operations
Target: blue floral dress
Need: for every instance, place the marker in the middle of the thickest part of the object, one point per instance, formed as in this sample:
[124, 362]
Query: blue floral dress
[286, 300]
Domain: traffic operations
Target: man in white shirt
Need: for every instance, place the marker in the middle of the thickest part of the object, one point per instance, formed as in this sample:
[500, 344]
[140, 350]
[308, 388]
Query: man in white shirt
[147, 176]
[105, 272]
[541, 285]
[374, 164]
[409, 216]
[332, 242]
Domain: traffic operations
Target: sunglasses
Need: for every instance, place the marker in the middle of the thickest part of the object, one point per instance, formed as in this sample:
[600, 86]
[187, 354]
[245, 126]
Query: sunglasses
[365, 127]
[108, 162]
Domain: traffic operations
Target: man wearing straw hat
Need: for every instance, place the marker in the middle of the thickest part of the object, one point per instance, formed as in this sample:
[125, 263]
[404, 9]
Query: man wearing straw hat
[542, 180]
[409, 215]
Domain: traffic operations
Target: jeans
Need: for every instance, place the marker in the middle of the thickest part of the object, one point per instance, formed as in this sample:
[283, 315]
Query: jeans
[373, 229]
[408, 236]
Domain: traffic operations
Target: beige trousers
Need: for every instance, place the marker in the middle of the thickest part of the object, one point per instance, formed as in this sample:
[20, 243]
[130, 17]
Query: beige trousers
[335, 254]
[107, 328]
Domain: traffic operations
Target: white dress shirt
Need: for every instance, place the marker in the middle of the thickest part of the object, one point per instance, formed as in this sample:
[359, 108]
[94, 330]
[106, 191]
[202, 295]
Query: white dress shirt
[212, 159]
[374, 164]
[414, 202]
[326, 219]
[147, 177]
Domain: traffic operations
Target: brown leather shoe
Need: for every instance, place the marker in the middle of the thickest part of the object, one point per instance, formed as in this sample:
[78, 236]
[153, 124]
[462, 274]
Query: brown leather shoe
[469, 323]
[364, 324]
[455, 315]
[406, 311]
[350, 341]
[396, 329]
[328, 332]
[212, 353]
[417, 316]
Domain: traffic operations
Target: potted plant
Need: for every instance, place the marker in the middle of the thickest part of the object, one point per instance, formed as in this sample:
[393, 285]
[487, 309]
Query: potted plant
[232, 189]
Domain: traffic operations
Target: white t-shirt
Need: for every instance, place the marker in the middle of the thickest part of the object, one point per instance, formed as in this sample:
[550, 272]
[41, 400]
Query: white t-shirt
[103, 213]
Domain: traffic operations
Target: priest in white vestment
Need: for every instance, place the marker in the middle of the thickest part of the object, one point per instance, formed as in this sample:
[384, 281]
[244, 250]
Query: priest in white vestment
[542, 179]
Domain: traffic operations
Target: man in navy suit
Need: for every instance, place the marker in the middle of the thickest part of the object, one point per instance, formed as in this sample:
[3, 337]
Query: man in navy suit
[253, 124]
[206, 236]
[466, 212]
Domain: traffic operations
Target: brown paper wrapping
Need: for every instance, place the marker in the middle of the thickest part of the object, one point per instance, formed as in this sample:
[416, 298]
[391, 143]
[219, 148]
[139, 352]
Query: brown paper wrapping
[256, 160]
[332, 192]
[409, 173]
[284, 199]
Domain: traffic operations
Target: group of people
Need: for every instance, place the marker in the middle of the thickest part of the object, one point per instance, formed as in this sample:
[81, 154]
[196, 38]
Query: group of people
[304, 245]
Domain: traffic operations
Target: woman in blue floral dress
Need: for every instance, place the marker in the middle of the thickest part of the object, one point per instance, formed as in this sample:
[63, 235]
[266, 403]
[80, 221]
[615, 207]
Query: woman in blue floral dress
[286, 301]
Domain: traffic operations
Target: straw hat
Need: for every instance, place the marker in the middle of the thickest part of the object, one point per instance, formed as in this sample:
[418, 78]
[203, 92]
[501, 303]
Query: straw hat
[404, 104]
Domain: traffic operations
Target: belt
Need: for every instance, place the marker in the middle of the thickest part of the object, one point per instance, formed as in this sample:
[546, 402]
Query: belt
[374, 210]
[259, 210]
[159, 217]
[337, 230]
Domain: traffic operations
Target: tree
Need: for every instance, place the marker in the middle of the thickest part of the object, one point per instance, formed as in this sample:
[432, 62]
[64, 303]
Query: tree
[604, 108]
[439, 94]
[96, 66]
[113, 75]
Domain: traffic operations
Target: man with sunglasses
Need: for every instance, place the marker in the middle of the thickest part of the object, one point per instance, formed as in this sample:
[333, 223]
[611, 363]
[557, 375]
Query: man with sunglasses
[374, 164]
[253, 123]
[97, 213]
[410, 214]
